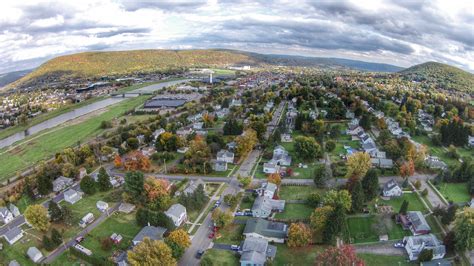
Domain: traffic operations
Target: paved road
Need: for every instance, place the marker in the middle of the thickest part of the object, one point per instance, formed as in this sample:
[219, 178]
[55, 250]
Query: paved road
[57, 252]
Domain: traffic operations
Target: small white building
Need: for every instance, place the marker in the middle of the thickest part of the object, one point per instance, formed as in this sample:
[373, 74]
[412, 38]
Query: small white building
[392, 189]
[5, 215]
[34, 254]
[72, 196]
[270, 168]
[177, 213]
[102, 206]
[14, 210]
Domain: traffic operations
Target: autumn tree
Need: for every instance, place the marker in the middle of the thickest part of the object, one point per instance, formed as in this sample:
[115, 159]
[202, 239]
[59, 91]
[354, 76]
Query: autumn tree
[358, 164]
[151, 252]
[407, 169]
[246, 142]
[274, 178]
[103, 180]
[156, 192]
[336, 198]
[339, 256]
[198, 156]
[37, 216]
[319, 218]
[307, 148]
[222, 219]
[117, 161]
[167, 141]
[136, 161]
[245, 181]
[299, 235]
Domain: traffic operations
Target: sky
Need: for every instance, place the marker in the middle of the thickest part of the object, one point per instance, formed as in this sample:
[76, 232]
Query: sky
[398, 32]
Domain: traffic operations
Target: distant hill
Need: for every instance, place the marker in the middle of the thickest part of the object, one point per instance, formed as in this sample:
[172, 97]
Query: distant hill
[444, 76]
[91, 65]
[7, 78]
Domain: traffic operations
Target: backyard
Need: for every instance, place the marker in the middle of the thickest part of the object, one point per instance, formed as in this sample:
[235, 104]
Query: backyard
[232, 234]
[296, 256]
[414, 202]
[297, 192]
[295, 211]
[455, 192]
[221, 257]
[17, 251]
[364, 229]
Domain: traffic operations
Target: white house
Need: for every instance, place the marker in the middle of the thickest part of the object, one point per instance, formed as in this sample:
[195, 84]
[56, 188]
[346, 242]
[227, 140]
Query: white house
[268, 230]
[392, 189]
[286, 137]
[13, 235]
[415, 244]
[72, 196]
[102, 206]
[5, 215]
[61, 183]
[177, 213]
[14, 210]
[158, 132]
[268, 190]
[270, 168]
[34, 254]
[225, 156]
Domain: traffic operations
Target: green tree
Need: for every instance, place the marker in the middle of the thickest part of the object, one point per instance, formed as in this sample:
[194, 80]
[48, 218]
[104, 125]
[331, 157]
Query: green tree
[314, 199]
[103, 180]
[404, 207]
[321, 175]
[47, 243]
[464, 230]
[330, 145]
[357, 197]
[133, 143]
[88, 185]
[222, 219]
[307, 148]
[45, 184]
[449, 215]
[56, 237]
[37, 216]
[67, 217]
[370, 184]
[134, 182]
[335, 224]
[425, 255]
[55, 213]
[336, 198]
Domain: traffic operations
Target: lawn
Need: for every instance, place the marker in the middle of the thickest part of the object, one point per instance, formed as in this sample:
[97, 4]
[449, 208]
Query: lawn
[414, 204]
[362, 230]
[297, 192]
[259, 172]
[438, 151]
[303, 173]
[55, 140]
[68, 259]
[193, 214]
[247, 204]
[26, 201]
[456, 192]
[295, 211]
[222, 257]
[296, 256]
[231, 235]
[18, 250]
[226, 173]
[123, 224]
[82, 207]
[388, 260]
[221, 71]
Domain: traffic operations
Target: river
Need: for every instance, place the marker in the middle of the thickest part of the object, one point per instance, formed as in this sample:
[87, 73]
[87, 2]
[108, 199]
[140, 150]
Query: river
[60, 119]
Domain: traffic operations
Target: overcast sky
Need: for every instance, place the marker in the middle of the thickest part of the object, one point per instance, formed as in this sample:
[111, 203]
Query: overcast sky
[399, 32]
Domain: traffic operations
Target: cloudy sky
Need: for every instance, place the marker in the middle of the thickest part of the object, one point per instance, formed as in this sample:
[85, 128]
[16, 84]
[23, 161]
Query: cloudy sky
[399, 32]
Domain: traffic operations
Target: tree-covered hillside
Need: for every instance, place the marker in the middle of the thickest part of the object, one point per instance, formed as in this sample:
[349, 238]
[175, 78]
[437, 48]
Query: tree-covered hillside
[441, 75]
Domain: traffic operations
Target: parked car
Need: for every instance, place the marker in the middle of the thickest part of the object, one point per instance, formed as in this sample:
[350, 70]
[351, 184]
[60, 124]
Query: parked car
[79, 239]
[199, 254]
[239, 214]
[248, 213]
[234, 247]
[211, 235]
[399, 245]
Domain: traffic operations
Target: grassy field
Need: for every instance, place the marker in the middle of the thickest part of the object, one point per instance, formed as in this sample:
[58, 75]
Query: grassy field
[247, 205]
[222, 257]
[376, 260]
[44, 146]
[45, 116]
[414, 204]
[296, 256]
[303, 173]
[193, 214]
[438, 151]
[231, 235]
[362, 230]
[68, 259]
[456, 192]
[123, 224]
[295, 211]
[297, 192]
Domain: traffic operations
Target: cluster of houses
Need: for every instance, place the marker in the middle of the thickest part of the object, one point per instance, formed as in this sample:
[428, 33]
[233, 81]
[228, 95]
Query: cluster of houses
[378, 157]
[415, 222]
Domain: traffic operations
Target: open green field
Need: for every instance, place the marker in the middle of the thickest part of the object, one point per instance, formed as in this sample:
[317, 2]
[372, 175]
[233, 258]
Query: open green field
[120, 223]
[301, 256]
[221, 257]
[44, 145]
[362, 229]
[221, 71]
[388, 260]
[295, 211]
[414, 202]
[45, 116]
[456, 192]
[440, 152]
[297, 192]
[232, 234]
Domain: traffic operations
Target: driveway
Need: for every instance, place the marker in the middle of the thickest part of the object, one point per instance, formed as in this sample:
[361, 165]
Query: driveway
[380, 248]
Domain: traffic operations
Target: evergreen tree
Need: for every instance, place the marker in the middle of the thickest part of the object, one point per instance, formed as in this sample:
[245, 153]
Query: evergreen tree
[56, 237]
[370, 184]
[134, 186]
[357, 197]
[88, 185]
[45, 184]
[449, 215]
[47, 243]
[55, 213]
[335, 224]
[66, 215]
[404, 207]
[321, 175]
[103, 180]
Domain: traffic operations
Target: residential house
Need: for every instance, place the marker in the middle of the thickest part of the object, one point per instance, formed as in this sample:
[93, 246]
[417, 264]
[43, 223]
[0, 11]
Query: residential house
[236, 102]
[152, 232]
[219, 166]
[355, 130]
[13, 235]
[392, 189]
[14, 263]
[222, 113]
[268, 230]
[126, 207]
[382, 163]
[415, 244]
[14, 210]
[72, 196]
[369, 147]
[34, 254]
[157, 133]
[281, 156]
[184, 132]
[177, 213]
[61, 183]
[434, 162]
[102, 206]
[198, 125]
[6, 215]
[270, 168]
[225, 156]
[231, 146]
[193, 185]
[267, 189]
[350, 115]
[256, 251]
[415, 222]
[377, 154]
[182, 150]
[264, 206]
[286, 137]
[436, 262]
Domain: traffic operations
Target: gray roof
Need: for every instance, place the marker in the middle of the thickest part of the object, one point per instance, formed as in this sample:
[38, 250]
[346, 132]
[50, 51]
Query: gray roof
[418, 221]
[390, 185]
[430, 242]
[193, 185]
[163, 102]
[12, 233]
[225, 153]
[257, 250]
[70, 193]
[4, 211]
[175, 210]
[368, 146]
[152, 232]
[267, 204]
[13, 263]
[266, 228]
[33, 252]
[255, 244]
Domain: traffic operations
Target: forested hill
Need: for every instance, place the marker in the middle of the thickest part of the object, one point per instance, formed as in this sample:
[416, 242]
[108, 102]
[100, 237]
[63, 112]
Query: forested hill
[93, 65]
[441, 75]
